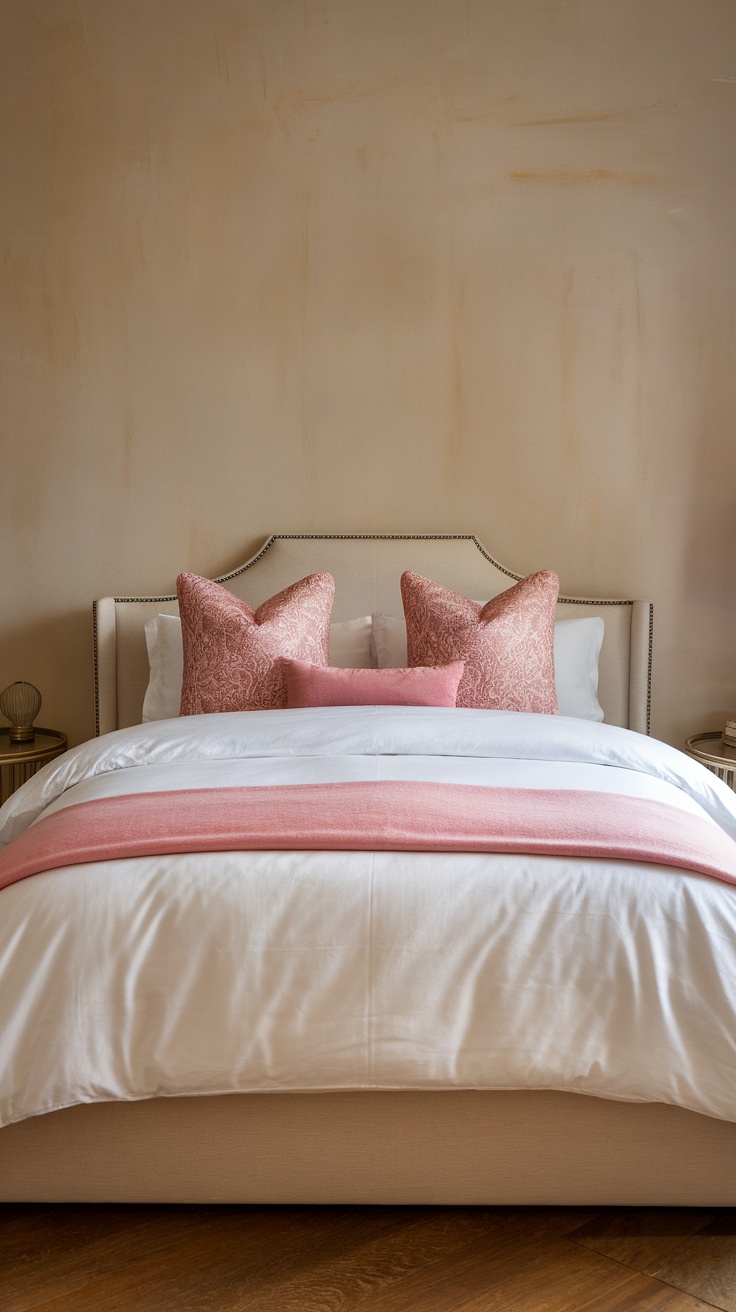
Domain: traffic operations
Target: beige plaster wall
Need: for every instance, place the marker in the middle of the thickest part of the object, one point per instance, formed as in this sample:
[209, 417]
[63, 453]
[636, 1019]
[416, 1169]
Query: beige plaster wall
[345, 265]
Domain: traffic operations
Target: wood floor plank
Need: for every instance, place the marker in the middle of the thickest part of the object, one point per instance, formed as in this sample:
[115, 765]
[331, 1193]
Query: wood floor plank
[471, 1277]
[225, 1264]
[688, 1249]
[370, 1276]
[34, 1232]
[156, 1247]
[561, 1281]
[417, 1278]
[68, 1275]
[705, 1264]
[335, 1278]
[645, 1296]
[511, 1271]
[641, 1236]
[61, 1268]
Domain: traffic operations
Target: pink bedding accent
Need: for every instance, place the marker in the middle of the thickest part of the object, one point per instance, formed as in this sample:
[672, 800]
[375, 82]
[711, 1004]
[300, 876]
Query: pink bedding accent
[317, 685]
[374, 815]
[507, 645]
[233, 654]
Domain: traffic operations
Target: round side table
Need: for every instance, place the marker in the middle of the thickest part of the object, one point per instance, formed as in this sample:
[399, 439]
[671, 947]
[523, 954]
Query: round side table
[18, 761]
[711, 751]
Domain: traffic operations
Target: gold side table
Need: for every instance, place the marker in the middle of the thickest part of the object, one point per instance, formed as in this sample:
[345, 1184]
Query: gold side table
[711, 751]
[18, 761]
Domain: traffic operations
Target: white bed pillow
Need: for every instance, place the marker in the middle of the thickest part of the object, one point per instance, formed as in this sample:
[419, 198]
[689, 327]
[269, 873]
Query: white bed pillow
[577, 648]
[166, 666]
[351, 646]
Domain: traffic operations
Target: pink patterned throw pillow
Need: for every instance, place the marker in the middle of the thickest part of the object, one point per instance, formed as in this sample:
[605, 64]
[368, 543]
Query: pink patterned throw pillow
[233, 654]
[507, 645]
[315, 685]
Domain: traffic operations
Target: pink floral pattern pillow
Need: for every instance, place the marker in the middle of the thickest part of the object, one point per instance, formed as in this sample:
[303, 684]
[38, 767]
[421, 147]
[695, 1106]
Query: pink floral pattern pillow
[507, 645]
[233, 654]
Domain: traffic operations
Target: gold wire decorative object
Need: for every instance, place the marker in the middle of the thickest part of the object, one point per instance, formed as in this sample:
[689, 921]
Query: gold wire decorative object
[20, 703]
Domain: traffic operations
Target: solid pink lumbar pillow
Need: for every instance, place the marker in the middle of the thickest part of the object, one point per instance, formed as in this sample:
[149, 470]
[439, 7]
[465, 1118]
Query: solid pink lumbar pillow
[233, 654]
[315, 685]
[507, 645]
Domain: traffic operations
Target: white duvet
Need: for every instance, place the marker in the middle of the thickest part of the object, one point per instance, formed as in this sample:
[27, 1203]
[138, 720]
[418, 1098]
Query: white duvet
[239, 971]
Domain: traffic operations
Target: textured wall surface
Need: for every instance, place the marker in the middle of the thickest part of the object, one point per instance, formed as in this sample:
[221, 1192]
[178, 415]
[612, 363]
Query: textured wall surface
[328, 265]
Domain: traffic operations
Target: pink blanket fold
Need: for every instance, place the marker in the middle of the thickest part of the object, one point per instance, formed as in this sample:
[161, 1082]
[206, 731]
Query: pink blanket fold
[398, 815]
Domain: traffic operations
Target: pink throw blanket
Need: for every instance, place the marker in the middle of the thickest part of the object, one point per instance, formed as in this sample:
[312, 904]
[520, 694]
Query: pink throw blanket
[381, 816]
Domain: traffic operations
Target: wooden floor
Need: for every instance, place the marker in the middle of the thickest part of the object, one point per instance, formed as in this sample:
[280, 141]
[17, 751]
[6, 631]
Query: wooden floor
[325, 1259]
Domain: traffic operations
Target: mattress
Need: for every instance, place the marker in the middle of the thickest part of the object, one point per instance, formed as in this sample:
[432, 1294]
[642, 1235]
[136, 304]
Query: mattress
[255, 969]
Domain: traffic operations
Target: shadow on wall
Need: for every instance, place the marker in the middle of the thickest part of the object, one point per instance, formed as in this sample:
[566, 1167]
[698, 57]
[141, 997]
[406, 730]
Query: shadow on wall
[55, 654]
[708, 566]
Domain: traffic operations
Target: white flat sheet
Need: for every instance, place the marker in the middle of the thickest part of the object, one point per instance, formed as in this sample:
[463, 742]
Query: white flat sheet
[233, 972]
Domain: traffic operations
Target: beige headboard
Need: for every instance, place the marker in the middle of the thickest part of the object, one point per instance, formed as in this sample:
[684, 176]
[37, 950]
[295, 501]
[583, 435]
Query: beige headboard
[367, 570]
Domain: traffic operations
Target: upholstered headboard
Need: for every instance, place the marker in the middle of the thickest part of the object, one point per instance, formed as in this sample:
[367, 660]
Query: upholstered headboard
[367, 569]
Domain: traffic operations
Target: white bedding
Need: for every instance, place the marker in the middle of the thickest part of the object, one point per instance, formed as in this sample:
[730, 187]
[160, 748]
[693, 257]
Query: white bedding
[238, 971]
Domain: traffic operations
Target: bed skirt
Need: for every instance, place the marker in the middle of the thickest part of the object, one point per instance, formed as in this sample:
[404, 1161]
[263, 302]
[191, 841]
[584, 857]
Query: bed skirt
[388, 1147]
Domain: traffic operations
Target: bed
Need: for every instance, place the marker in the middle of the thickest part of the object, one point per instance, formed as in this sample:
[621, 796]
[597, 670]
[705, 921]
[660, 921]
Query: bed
[392, 1101]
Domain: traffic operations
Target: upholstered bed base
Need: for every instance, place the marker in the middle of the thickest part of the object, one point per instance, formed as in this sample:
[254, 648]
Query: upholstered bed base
[403, 1147]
